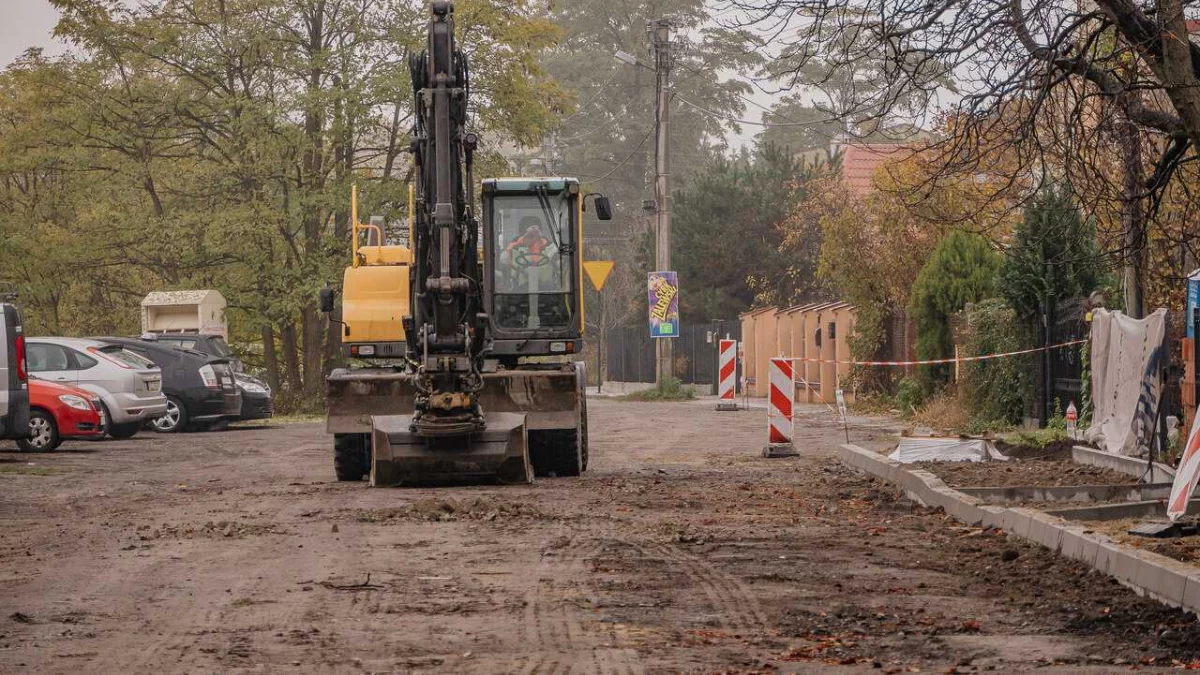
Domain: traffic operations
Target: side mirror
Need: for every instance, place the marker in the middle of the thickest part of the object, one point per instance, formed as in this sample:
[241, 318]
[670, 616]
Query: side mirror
[326, 300]
[603, 208]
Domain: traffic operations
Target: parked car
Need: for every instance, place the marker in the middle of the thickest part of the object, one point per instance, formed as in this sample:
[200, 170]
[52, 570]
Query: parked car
[256, 398]
[257, 403]
[213, 345]
[129, 388]
[14, 377]
[200, 388]
[58, 412]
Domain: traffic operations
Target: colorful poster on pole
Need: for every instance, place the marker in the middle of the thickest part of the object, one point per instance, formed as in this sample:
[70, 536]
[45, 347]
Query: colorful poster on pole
[1193, 302]
[663, 296]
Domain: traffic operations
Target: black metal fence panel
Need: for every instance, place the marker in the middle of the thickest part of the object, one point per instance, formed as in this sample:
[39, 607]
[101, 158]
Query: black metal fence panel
[630, 356]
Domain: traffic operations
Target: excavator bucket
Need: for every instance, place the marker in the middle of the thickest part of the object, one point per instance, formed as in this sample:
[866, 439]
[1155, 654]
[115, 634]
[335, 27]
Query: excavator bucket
[400, 456]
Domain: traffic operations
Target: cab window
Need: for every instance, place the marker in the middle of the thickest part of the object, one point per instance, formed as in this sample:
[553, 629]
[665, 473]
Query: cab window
[534, 268]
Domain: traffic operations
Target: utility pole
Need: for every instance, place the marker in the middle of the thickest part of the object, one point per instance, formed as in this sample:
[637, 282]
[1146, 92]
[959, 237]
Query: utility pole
[660, 35]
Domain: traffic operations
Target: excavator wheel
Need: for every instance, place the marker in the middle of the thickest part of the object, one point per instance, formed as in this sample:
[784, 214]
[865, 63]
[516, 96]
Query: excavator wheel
[556, 452]
[351, 456]
[583, 433]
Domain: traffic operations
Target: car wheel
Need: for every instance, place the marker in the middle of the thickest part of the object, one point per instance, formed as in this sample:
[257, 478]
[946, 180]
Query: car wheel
[105, 419]
[175, 419]
[43, 433]
[123, 431]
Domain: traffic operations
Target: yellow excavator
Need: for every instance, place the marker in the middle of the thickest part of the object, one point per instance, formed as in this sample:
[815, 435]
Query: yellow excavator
[462, 344]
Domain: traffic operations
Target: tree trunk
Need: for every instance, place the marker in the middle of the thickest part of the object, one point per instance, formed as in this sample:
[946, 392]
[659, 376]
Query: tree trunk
[270, 357]
[311, 326]
[291, 355]
[1178, 69]
[1133, 219]
[312, 332]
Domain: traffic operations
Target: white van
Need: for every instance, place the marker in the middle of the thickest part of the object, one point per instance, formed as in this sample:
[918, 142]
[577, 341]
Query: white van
[14, 375]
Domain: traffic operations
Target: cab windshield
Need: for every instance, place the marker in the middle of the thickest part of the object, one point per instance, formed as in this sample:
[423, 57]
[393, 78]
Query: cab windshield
[534, 269]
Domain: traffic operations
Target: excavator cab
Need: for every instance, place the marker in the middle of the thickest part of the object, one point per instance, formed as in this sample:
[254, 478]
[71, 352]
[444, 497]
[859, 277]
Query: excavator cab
[532, 265]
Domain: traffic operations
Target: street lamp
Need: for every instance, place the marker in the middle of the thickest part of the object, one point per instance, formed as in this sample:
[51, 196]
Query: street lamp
[631, 60]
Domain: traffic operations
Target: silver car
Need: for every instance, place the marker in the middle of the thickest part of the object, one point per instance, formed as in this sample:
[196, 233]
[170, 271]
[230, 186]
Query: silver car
[129, 386]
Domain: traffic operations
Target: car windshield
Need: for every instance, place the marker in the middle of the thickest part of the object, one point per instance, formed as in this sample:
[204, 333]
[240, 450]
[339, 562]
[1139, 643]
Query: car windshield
[127, 357]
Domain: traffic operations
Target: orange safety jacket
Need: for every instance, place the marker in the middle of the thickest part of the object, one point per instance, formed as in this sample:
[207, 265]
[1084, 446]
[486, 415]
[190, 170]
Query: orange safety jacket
[535, 247]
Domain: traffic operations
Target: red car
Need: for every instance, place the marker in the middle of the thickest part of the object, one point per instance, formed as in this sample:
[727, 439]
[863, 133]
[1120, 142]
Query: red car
[57, 412]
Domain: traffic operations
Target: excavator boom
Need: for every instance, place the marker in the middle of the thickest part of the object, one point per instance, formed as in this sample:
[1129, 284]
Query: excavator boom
[448, 435]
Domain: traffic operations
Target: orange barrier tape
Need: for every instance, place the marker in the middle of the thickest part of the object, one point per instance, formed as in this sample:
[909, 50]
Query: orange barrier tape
[961, 359]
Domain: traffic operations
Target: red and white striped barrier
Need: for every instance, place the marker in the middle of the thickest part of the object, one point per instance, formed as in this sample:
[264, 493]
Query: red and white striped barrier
[1187, 475]
[781, 396]
[727, 367]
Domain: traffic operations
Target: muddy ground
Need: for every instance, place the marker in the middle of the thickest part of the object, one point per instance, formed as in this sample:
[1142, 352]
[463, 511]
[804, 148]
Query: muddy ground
[1183, 549]
[1025, 466]
[681, 551]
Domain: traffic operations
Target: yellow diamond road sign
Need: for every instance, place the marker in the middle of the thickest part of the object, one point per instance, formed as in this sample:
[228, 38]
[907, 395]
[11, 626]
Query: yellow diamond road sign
[598, 271]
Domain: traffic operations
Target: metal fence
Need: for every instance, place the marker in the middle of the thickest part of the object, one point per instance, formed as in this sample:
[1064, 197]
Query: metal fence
[630, 356]
[1068, 322]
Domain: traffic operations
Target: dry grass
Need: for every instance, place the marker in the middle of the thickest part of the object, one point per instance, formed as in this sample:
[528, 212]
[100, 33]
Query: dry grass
[946, 411]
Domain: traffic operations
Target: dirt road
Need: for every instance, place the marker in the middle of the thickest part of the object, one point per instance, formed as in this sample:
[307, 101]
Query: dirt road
[681, 551]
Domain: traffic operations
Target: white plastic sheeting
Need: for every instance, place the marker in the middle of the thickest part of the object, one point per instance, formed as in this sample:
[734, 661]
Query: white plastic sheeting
[945, 450]
[1127, 359]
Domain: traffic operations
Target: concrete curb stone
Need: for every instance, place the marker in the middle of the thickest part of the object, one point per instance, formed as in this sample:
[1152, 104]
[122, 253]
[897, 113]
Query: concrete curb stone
[1148, 472]
[1080, 546]
[1165, 579]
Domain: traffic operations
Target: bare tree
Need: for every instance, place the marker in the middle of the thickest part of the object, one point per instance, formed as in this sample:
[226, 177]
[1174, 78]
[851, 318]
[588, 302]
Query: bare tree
[1103, 93]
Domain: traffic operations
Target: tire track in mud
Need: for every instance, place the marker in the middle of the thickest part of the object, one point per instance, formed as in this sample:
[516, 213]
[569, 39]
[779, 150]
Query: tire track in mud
[733, 604]
[553, 628]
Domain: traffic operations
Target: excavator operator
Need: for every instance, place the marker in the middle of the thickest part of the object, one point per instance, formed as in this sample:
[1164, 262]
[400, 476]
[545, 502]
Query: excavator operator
[532, 282]
[527, 249]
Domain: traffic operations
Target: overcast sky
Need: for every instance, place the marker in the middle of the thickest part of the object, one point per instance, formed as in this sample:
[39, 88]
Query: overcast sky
[25, 24]
[28, 23]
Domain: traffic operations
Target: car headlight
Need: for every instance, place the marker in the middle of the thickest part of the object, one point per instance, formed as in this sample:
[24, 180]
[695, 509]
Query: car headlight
[76, 402]
[253, 387]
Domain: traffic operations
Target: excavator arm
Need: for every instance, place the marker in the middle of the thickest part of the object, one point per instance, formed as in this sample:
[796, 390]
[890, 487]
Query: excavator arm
[448, 332]
[449, 435]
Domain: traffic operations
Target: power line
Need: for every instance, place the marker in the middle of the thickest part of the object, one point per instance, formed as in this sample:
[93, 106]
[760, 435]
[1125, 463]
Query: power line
[603, 89]
[629, 156]
[767, 125]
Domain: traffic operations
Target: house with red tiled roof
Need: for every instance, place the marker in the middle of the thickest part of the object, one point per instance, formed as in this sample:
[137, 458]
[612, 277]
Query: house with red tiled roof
[860, 162]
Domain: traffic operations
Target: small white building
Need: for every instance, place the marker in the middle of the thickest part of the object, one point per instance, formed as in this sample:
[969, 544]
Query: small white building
[185, 312]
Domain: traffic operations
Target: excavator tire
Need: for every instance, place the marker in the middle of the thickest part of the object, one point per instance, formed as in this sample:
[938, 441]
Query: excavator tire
[351, 456]
[556, 452]
[583, 433]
